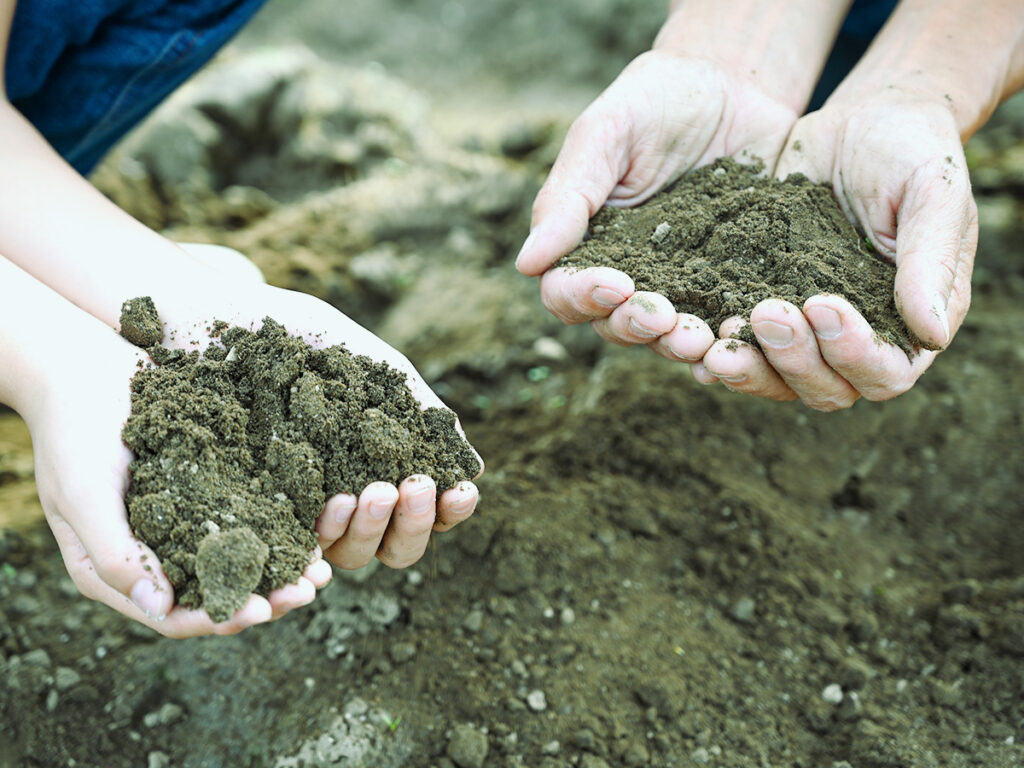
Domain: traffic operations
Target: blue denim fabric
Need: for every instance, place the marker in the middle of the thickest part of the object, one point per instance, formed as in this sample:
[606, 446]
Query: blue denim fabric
[865, 19]
[84, 72]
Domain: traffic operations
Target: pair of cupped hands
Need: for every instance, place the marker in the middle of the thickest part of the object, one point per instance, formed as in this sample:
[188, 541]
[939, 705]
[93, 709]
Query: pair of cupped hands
[897, 168]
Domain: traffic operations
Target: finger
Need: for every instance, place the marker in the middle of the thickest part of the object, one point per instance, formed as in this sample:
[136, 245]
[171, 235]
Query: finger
[687, 342]
[936, 233]
[791, 349]
[576, 296]
[103, 545]
[455, 505]
[742, 368]
[589, 165]
[291, 596]
[178, 622]
[334, 520]
[319, 571]
[849, 345]
[363, 536]
[406, 538]
[641, 320]
[702, 375]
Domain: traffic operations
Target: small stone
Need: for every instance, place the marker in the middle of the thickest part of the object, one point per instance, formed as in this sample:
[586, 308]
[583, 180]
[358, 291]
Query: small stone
[744, 610]
[65, 677]
[355, 708]
[588, 760]
[467, 747]
[536, 701]
[402, 652]
[700, 756]
[166, 715]
[51, 700]
[549, 348]
[661, 232]
[567, 617]
[158, 760]
[551, 748]
[636, 755]
[585, 739]
[474, 621]
[833, 693]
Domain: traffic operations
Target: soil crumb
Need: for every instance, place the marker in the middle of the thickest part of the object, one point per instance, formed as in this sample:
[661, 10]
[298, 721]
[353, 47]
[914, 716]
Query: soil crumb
[237, 449]
[724, 238]
[140, 323]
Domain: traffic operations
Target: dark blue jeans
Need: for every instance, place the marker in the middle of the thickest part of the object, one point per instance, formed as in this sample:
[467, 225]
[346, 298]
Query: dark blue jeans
[84, 72]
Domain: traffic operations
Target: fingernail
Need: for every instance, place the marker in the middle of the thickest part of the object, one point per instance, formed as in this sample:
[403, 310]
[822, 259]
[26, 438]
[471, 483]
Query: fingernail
[343, 511]
[380, 509]
[733, 379]
[422, 502]
[606, 297]
[149, 598]
[772, 334]
[825, 321]
[639, 330]
[466, 501]
[683, 358]
[526, 246]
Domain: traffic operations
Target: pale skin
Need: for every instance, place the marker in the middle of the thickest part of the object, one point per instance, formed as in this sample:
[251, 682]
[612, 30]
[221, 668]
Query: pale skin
[732, 78]
[68, 259]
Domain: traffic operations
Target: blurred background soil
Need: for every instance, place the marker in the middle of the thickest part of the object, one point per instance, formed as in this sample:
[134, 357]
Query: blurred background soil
[659, 573]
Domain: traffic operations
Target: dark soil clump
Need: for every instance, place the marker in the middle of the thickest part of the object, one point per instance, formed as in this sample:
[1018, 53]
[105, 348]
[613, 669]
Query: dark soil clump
[140, 323]
[724, 238]
[237, 449]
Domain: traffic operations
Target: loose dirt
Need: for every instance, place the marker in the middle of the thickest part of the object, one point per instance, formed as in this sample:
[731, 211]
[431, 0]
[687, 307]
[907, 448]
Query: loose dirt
[236, 449]
[659, 573]
[726, 237]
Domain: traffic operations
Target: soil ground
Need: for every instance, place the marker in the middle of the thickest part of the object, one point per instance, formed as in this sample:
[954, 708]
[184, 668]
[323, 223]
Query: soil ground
[659, 573]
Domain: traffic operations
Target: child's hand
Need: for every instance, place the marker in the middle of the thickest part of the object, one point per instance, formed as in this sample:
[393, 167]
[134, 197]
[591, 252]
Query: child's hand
[384, 521]
[82, 474]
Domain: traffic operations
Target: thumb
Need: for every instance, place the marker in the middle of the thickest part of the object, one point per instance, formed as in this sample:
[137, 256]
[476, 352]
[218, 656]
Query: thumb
[106, 562]
[589, 166]
[936, 237]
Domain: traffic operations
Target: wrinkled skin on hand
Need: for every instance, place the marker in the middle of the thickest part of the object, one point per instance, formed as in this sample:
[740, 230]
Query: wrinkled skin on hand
[892, 159]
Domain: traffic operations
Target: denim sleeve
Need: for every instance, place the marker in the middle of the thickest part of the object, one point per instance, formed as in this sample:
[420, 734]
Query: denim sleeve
[84, 72]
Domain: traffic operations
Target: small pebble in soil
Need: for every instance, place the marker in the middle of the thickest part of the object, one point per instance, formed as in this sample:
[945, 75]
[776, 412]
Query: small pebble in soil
[833, 693]
[537, 701]
[744, 610]
[467, 746]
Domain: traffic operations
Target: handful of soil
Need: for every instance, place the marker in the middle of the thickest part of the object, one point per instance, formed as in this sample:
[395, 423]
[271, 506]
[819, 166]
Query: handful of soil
[724, 238]
[237, 449]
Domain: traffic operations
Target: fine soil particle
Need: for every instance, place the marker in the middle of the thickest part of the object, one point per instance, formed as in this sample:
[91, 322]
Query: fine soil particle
[724, 238]
[237, 449]
[140, 323]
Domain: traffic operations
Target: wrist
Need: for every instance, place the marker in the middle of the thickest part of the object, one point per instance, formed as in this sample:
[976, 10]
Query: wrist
[779, 45]
[961, 56]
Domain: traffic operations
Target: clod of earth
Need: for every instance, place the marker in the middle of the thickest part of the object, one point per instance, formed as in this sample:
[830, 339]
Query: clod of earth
[724, 238]
[237, 449]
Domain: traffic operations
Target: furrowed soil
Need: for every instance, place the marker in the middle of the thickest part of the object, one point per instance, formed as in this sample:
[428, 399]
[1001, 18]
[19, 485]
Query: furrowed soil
[659, 573]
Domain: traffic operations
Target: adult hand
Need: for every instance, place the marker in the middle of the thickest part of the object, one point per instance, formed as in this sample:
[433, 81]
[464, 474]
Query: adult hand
[664, 115]
[897, 168]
